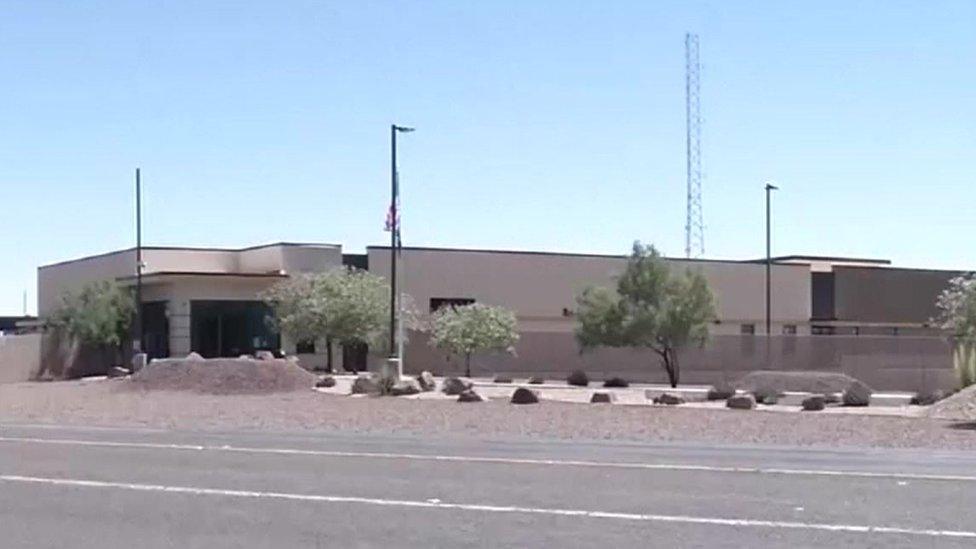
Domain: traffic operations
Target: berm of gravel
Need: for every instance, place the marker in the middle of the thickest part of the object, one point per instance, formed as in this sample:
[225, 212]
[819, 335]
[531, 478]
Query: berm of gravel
[802, 381]
[223, 376]
[960, 406]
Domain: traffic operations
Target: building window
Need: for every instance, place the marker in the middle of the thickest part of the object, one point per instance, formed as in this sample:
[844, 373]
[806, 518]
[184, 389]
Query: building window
[789, 329]
[306, 347]
[439, 302]
[857, 330]
[823, 330]
[748, 329]
[894, 331]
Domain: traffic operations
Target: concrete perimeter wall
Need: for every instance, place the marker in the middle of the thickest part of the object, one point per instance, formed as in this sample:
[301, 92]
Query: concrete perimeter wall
[20, 357]
[884, 362]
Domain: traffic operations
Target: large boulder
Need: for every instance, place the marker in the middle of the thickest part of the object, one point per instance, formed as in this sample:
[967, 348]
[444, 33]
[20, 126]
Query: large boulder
[721, 391]
[578, 378]
[455, 386]
[469, 396]
[741, 402]
[618, 382]
[856, 394]
[668, 399]
[405, 387]
[524, 396]
[814, 403]
[426, 381]
[365, 385]
[325, 382]
[602, 398]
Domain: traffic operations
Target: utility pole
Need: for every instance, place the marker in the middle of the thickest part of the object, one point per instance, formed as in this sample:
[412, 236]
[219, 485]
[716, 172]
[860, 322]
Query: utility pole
[769, 259]
[694, 220]
[139, 326]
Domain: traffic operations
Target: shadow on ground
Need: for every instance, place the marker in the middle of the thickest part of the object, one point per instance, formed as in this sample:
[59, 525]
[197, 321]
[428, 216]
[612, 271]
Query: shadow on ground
[964, 425]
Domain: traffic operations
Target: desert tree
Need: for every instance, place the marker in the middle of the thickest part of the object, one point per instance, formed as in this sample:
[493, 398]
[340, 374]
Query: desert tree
[650, 308]
[468, 330]
[957, 315]
[100, 315]
[344, 306]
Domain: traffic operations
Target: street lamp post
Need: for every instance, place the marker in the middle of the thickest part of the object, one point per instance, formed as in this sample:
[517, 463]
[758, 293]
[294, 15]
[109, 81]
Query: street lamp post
[769, 260]
[140, 332]
[393, 224]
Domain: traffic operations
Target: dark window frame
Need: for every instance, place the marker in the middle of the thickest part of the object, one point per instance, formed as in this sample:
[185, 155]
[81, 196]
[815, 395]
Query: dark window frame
[437, 303]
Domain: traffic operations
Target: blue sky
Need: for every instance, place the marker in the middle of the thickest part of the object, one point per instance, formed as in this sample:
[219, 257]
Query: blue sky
[541, 125]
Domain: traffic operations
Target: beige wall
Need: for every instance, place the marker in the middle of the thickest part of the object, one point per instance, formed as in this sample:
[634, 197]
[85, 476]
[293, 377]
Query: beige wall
[54, 280]
[539, 286]
[20, 357]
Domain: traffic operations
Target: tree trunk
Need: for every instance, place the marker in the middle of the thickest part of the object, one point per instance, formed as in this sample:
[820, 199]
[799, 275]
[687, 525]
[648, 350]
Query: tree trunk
[467, 364]
[671, 366]
[328, 354]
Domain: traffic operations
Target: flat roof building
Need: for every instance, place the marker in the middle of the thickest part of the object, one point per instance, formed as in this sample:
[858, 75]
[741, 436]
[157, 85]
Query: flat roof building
[207, 300]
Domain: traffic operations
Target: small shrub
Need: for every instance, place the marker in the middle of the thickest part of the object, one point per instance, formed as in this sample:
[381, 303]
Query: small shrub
[927, 398]
[365, 384]
[578, 378]
[720, 391]
[617, 382]
[814, 403]
[668, 399]
[524, 396]
[326, 381]
[766, 396]
[741, 402]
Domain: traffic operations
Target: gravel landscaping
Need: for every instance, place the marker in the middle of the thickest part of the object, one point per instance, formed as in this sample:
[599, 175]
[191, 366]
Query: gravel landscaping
[115, 403]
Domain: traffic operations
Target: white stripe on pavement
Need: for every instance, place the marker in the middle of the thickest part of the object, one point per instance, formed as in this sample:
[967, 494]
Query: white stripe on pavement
[845, 528]
[484, 459]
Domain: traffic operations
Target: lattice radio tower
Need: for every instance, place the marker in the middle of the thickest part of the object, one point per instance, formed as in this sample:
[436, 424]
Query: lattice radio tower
[695, 223]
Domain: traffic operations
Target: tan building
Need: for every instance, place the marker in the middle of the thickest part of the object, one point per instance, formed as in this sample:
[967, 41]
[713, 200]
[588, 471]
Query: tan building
[207, 300]
[195, 299]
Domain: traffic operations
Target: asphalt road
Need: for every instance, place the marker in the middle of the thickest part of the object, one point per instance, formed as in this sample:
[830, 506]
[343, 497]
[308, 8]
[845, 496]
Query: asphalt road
[106, 488]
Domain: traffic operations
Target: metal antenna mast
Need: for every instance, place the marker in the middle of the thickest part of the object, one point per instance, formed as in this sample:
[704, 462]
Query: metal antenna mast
[694, 224]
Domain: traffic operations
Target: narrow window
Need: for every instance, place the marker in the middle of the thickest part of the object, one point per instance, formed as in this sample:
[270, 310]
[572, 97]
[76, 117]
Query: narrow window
[748, 329]
[439, 302]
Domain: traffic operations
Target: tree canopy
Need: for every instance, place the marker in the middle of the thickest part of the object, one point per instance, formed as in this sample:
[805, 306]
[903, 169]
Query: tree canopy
[472, 329]
[650, 308]
[346, 306]
[957, 314]
[100, 314]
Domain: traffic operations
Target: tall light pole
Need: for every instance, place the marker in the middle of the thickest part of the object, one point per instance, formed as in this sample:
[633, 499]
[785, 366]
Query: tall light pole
[769, 259]
[139, 324]
[393, 225]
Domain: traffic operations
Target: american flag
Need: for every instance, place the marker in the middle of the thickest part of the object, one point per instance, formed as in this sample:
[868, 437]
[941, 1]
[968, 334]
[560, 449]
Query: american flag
[393, 213]
[393, 218]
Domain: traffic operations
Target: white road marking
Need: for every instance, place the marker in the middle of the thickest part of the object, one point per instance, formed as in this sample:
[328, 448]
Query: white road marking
[498, 460]
[680, 519]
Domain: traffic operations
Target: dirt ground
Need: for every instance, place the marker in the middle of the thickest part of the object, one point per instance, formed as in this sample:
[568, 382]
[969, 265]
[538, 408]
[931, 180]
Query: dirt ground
[111, 403]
